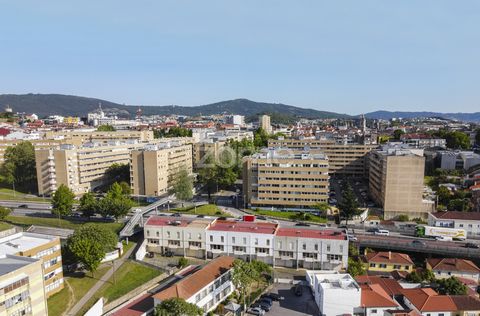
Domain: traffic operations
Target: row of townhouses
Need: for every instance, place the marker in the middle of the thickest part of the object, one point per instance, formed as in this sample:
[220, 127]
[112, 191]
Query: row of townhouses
[292, 247]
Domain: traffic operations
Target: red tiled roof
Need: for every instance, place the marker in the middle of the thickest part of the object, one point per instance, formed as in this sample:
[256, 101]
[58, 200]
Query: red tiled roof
[427, 300]
[137, 307]
[453, 264]
[193, 283]
[310, 233]
[474, 216]
[373, 295]
[167, 221]
[388, 257]
[389, 285]
[244, 227]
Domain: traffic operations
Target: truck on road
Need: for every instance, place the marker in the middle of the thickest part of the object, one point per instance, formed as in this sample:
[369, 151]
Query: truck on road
[434, 231]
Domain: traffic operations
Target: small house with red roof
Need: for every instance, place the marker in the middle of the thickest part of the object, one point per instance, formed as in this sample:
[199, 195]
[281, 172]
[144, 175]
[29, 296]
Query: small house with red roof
[388, 261]
[448, 267]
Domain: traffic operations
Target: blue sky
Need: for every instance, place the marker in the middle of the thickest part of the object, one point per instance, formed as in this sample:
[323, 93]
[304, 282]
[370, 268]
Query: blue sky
[343, 56]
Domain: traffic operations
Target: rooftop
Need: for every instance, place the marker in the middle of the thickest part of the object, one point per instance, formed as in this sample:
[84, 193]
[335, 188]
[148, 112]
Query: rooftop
[373, 295]
[427, 300]
[334, 280]
[22, 241]
[244, 227]
[285, 153]
[388, 257]
[10, 263]
[453, 264]
[311, 233]
[473, 216]
[389, 285]
[193, 283]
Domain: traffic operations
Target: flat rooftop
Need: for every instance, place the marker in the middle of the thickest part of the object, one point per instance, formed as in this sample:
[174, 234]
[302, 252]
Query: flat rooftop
[178, 221]
[9, 263]
[244, 227]
[15, 243]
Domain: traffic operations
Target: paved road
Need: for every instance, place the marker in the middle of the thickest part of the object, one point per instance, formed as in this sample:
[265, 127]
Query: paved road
[77, 307]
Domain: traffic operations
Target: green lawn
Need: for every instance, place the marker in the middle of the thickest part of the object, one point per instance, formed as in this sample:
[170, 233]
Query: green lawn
[128, 277]
[9, 194]
[4, 226]
[80, 284]
[26, 221]
[207, 209]
[291, 215]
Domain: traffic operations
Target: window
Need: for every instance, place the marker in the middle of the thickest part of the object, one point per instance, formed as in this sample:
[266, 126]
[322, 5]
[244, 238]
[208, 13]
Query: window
[279, 244]
[244, 240]
[256, 241]
[268, 242]
[222, 239]
[373, 311]
[158, 234]
[178, 235]
[148, 233]
[397, 266]
[382, 266]
[372, 265]
[316, 246]
[328, 248]
[211, 238]
[407, 267]
[168, 234]
[304, 246]
[233, 240]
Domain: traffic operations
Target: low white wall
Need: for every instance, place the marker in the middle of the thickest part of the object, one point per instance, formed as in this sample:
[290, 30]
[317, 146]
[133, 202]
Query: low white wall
[96, 309]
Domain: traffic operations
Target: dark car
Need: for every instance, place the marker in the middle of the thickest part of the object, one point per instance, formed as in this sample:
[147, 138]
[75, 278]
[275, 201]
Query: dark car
[263, 305]
[263, 218]
[301, 224]
[274, 296]
[266, 300]
[471, 245]
[418, 243]
[298, 290]
[200, 216]
[222, 218]
[168, 253]
[177, 214]
[372, 230]
[23, 206]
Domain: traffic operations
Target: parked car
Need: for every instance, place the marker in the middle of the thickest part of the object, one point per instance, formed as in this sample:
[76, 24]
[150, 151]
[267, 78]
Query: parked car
[263, 218]
[301, 224]
[417, 242]
[266, 300]
[274, 296]
[372, 230]
[263, 305]
[352, 237]
[150, 255]
[200, 216]
[256, 311]
[471, 245]
[23, 206]
[382, 232]
[177, 215]
[168, 253]
[298, 290]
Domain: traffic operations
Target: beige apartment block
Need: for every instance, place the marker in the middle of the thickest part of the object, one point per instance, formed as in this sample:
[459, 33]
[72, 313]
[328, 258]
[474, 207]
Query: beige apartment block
[42, 247]
[265, 123]
[153, 168]
[396, 181]
[37, 144]
[285, 179]
[206, 151]
[21, 286]
[343, 159]
[78, 137]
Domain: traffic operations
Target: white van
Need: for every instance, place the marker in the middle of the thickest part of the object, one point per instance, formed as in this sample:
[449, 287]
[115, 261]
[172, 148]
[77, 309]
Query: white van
[382, 232]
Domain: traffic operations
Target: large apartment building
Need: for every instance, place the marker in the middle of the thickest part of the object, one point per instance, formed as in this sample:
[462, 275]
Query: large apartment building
[78, 137]
[285, 179]
[291, 247]
[396, 181]
[42, 247]
[153, 168]
[21, 286]
[349, 159]
[81, 168]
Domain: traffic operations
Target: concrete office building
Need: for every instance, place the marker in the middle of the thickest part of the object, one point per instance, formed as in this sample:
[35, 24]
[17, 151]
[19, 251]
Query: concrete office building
[154, 168]
[42, 247]
[235, 119]
[21, 286]
[396, 181]
[346, 159]
[265, 124]
[81, 168]
[285, 179]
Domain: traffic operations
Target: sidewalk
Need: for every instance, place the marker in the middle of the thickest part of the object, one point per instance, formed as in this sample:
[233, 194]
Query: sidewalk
[77, 307]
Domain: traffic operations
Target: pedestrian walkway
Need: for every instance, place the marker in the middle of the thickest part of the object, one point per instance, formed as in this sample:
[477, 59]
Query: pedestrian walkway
[77, 307]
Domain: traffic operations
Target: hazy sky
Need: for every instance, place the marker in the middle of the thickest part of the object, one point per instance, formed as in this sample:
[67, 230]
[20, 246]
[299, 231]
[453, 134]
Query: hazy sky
[344, 56]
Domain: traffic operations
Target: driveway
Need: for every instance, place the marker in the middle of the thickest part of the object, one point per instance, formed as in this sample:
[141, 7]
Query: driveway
[293, 305]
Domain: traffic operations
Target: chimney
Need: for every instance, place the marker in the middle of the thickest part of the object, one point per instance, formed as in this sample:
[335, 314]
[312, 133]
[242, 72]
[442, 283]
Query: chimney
[389, 255]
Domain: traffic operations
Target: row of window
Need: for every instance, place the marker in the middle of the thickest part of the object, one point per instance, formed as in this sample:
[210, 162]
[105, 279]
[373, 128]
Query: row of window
[292, 179]
[46, 252]
[384, 266]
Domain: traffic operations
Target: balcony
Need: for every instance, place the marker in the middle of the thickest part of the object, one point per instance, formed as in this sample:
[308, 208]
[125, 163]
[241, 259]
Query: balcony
[239, 252]
[213, 250]
[309, 259]
[173, 245]
[262, 254]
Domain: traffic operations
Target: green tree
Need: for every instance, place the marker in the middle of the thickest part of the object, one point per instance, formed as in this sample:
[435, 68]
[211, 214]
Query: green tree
[414, 277]
[322, 208]
[177, 307]
[183, 186]
[225, 173]
[182, 262]
[454, 139]
[444, 195]
[106, 128]
[244, 274]
[461, 205]
[451, 286]
[348, 206]
[62, 201]
[207, 175]
[355, 267]
[397, 134]
[115, 203]
[260, 138]
[402, 218]
[118, 173]
[172, 132]
[89, 244]
[126, 189]
[19, 167]
[88, 204]
[4, 212]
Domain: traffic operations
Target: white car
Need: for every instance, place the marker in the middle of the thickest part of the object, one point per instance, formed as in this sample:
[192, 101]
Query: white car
[257, 311]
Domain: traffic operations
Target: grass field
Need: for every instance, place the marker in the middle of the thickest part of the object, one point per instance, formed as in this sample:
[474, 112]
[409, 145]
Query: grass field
[26, 221]
[128, 277]
[9, 194]
[80, 285]
[4, 226]
[207, 209]
[291, 215]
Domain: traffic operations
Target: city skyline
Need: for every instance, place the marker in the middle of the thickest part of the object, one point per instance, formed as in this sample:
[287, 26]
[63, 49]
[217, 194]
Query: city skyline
[355, 58]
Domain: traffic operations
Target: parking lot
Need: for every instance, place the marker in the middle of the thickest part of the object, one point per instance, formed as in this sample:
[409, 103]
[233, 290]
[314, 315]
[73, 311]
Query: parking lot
[360, 188]
[293, 305]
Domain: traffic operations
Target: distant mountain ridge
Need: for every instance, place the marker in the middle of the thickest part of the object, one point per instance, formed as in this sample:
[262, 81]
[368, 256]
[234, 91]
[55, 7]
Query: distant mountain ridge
[49, 104]
[387, 115]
